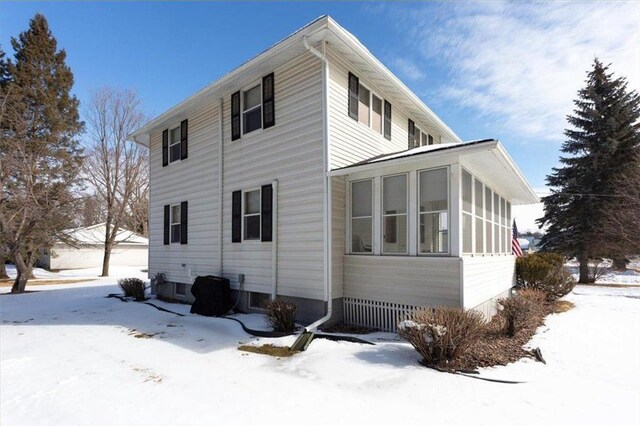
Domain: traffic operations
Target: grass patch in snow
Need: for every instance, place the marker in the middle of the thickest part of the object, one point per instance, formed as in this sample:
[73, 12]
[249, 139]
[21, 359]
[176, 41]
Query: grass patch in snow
[141, 335]
[560, 306]
[269, 349]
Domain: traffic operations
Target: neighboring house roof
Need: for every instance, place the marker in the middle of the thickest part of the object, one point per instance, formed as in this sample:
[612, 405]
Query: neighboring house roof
[94, 234]
[488, 152]
[323, 28]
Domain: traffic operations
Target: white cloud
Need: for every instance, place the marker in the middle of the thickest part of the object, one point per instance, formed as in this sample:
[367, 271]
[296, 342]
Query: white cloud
[521, 65]
[407, 68]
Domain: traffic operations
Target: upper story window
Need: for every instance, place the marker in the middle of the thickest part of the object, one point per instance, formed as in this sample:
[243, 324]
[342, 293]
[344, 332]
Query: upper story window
[174, 143]
[252, 215]
[253, 108]
[175, 223]
[368, 108]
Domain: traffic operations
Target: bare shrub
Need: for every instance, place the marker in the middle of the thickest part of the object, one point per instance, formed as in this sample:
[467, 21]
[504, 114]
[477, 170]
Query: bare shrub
[538, 297]
[596, 268]
[517, 312]
[133, 287]
[545, 272]
[441, 334]
[281, 315]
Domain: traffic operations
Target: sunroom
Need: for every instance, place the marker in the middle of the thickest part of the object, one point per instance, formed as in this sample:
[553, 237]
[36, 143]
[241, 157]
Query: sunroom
[426, 227]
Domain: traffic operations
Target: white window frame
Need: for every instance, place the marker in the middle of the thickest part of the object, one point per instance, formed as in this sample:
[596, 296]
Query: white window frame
[244, 214]
[243, 112]
[448, 252]
[351, 217]
[372, 93]
[172, 223]
[170, 144]
[468, 213]
[480, 216]
[383, 215]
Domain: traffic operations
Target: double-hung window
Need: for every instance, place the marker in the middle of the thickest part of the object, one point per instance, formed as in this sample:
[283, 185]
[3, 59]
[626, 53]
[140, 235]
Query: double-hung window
[394, 214]
[364, 103]
[175, 223]
[252, 109]
[376, 113]
[362, 216]
[368, 108]
[252, 215]
[174, 144]
[434, 211]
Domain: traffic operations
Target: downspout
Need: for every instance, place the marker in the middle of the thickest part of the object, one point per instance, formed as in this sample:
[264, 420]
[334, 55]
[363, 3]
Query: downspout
[220, 185]
[327, 183]
[274, 241]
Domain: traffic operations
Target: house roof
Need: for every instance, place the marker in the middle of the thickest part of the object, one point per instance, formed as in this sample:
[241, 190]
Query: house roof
[94, 234]
[486, 158]
[322, 28]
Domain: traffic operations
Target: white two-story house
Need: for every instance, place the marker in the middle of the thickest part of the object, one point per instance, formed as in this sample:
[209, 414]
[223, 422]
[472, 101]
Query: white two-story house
[312, 173]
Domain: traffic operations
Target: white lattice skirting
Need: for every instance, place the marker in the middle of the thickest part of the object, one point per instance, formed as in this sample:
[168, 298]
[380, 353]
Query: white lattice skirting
[383, 316]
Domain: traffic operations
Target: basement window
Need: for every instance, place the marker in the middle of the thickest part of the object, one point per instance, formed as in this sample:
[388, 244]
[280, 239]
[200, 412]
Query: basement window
[180, 289]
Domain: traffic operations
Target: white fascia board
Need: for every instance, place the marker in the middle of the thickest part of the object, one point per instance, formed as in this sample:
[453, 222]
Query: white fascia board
[350, 40]
[511, 166]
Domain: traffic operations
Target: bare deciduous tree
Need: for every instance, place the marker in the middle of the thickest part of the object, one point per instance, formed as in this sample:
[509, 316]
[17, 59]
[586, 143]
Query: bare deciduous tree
[115, 167]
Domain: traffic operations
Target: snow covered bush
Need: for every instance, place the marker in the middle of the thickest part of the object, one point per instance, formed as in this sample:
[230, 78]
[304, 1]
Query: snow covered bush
[281, 315]
[545, 272]
[517, 312]
[441, 334]
[133, 287]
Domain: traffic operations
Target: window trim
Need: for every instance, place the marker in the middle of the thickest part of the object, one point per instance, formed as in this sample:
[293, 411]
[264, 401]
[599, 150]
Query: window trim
[350, 221]
[172, 223]
[244, 214]
[382, 99]
[171, 127]
[243, 90]
[383, 215]
[448, 252]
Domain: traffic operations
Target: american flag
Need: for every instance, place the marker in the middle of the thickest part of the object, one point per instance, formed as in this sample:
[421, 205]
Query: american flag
[515, 245]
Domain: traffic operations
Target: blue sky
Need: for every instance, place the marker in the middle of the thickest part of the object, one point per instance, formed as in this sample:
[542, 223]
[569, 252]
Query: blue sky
[488, 69]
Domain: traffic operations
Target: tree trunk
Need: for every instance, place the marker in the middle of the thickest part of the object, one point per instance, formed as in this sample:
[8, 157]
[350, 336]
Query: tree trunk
[24, 268]
[584, 269]
[619, 264]
[105, 260]
[3, 268]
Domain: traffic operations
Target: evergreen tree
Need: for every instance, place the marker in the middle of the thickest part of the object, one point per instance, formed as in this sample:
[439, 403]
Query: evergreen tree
[602, 146]
[40, 157]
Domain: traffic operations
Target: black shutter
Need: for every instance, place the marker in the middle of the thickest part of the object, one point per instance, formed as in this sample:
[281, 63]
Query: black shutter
[354, 92]
[266, 213]
[387, 120]
[184, 137]
[165, 147]
[236, 217]
[412, 137]
[184, 216]
[235, 116]
[167, 224]
[268, 102]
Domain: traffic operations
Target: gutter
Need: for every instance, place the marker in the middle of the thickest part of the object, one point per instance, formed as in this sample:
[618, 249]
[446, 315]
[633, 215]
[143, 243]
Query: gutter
[327, 207]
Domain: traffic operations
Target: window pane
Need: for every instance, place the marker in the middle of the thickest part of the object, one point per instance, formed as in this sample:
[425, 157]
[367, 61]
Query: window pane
[363, 105]
[252, 120]
[496, 238]
[466, 233]
[252, 202]
[361, 198]
[175, 135]
[430, 140]
[434, 233]
[252, 227]
[174, 152]
[496, 208]
[175, 214]
[394, 234]
[479, 235]
[433, 190]
[508, 214]
[500, 229]
[479, 198]
[489, 236]
[466, 191]
[488, 196]
[394, 197]
[252, 98]
[503, 211]
[175, 233]
[376, 114]
[361, 235]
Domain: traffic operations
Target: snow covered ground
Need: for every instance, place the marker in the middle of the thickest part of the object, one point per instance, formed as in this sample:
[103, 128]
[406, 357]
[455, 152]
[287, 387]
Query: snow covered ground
[629, 277]
[114, 272]
[68, 355]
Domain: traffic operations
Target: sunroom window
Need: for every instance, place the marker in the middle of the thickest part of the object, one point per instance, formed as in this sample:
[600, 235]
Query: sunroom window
[252, 109]
[434, 211]
[394, 214]
[467, 213]
[479, 214]
[362, 216]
